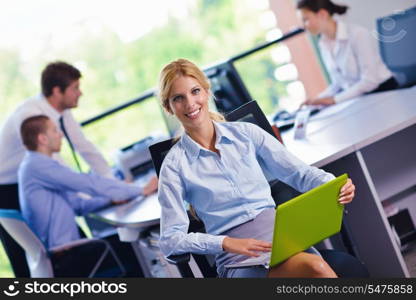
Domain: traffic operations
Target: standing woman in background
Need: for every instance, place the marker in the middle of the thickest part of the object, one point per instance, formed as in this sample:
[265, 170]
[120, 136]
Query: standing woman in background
[348, 51]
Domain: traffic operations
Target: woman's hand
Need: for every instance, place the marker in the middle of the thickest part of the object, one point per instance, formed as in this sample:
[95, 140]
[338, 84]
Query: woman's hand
[119, 202]
[319, 101]
[347, 192]
[248, 247]
[150, 187]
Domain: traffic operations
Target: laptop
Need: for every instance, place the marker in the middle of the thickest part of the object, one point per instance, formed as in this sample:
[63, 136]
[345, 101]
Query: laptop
[301, 223]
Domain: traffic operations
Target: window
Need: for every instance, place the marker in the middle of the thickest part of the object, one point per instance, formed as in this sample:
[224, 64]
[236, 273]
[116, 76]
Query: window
[120, 55]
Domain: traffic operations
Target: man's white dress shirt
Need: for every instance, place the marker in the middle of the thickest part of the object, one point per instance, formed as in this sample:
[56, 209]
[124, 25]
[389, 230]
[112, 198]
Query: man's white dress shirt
[12, 149]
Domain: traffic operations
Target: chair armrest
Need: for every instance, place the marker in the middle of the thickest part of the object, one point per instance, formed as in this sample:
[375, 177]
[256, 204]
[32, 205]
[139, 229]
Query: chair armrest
[182, 262]
[179, 259]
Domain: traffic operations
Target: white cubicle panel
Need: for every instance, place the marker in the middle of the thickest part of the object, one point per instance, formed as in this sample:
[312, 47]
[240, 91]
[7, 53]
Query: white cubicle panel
[397, 172]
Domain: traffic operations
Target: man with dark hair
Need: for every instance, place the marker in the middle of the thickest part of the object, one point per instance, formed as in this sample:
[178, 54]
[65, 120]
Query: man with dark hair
[58, 74]
[60, 93]
[30, 130]
[48, 191]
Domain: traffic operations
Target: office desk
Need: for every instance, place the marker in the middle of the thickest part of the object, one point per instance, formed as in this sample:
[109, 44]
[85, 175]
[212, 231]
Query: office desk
[373, 139]
[133, 221]
[132, 217]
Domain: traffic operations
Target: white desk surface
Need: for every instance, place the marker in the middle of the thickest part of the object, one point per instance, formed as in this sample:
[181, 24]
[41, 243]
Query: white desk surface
[140, 212]
[344, 128]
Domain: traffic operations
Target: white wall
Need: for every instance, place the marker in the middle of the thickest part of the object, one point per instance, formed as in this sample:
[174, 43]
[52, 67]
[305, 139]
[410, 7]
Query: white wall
[365, 12]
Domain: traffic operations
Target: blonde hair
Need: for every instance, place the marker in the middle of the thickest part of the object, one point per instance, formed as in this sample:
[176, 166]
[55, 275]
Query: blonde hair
[181, 68]
[172, 71]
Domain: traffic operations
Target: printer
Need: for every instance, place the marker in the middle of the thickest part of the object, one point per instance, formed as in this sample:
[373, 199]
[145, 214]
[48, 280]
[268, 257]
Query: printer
[135, 160]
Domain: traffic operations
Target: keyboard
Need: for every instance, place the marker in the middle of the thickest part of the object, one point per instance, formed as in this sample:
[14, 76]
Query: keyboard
[285, 120]
[262, 260]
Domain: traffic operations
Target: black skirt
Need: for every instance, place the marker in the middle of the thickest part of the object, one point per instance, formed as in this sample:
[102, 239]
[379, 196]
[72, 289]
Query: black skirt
[388, 85]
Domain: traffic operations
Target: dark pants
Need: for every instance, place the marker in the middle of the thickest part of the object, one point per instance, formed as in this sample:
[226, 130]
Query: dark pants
[80, 261]
[124, 250]
[9, 199]
[127, 256]
[388, 85]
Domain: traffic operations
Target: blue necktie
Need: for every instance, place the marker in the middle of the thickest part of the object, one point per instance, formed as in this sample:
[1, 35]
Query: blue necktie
[74, 155]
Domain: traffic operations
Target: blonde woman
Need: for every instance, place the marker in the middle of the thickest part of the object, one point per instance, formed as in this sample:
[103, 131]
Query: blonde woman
[217, 168]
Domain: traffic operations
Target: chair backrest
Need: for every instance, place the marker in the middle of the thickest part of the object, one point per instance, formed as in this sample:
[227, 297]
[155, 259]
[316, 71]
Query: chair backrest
[397, 39]
[158, 152]
[36, 254]
[250, 112]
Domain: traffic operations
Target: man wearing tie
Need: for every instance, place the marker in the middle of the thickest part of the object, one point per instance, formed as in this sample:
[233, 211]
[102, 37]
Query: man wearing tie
[60, 93]
[49, 198]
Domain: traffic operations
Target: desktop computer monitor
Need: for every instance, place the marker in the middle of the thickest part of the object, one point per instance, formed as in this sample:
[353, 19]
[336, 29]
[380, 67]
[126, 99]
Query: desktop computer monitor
[397, 40]
[228, 88]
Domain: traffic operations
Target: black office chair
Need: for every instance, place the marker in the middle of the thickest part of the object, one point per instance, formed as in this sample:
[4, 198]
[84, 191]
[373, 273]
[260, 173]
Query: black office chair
[158, 152]
[344, 264]
[252, 113]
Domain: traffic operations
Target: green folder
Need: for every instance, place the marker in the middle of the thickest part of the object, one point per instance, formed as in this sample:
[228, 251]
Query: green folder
[307, 219]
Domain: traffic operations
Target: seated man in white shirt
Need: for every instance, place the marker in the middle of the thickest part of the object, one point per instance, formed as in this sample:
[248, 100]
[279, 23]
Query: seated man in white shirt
[48, 191]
